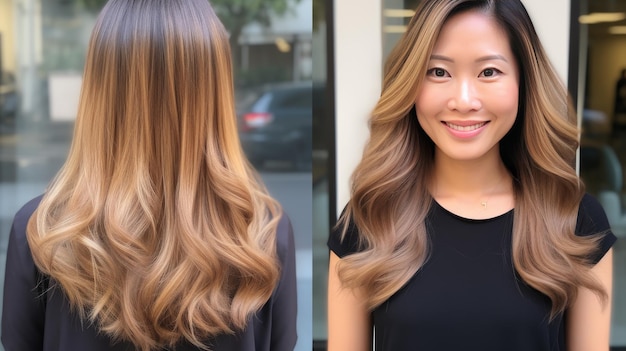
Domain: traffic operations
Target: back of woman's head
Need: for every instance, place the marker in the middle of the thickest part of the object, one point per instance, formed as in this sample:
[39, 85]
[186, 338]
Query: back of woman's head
[156, 228]
[158, 87]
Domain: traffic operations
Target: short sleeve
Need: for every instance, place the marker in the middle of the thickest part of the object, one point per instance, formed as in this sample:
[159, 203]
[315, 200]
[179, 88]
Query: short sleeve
[349, 244]
[592, 220]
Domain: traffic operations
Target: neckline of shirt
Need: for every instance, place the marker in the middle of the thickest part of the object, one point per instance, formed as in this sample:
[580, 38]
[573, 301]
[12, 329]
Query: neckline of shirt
[472, 220]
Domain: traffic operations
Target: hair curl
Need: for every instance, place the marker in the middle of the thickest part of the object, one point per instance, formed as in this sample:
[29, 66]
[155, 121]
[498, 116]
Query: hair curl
[157, 228]
[390, 201]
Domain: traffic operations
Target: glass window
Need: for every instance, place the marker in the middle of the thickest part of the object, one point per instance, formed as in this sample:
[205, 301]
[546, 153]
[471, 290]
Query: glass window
[323, 166]
[299, 98]
[396, 16]
[602, 107]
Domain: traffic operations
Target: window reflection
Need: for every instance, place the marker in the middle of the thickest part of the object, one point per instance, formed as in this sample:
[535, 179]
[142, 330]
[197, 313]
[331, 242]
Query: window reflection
[322, 173]
[603, 145]
[396, 16]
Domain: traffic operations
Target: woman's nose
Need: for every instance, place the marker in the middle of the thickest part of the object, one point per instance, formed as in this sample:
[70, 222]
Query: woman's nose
[465, 97]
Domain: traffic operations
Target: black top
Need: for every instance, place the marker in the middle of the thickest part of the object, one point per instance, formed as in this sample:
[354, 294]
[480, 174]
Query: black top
[31, 322]
[467, 295]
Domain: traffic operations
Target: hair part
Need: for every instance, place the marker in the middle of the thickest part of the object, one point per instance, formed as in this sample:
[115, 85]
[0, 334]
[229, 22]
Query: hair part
[390, 201]
[157, 228]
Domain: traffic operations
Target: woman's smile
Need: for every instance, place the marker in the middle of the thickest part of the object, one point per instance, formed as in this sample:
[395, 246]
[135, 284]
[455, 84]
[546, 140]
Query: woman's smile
[468, 99]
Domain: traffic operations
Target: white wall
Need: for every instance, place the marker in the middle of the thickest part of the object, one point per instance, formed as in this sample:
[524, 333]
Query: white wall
[551, 20]
[358, 69]
[358, 72]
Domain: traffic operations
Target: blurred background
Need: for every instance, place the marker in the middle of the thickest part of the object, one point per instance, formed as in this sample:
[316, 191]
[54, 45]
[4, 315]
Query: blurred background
[42, 52]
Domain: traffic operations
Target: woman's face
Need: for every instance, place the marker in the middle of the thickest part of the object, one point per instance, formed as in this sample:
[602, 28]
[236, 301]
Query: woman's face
[468, 100]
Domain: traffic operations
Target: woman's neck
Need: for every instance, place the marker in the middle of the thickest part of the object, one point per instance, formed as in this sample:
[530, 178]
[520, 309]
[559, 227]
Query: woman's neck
[478, 189]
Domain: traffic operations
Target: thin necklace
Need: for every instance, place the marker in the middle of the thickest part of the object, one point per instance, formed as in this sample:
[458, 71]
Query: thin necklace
[486, 201]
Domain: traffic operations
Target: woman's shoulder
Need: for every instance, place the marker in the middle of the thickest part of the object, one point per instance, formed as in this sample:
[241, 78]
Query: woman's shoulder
[284, 238]
[22, 216]
[592, 220]
[591, 217]
[344, 238]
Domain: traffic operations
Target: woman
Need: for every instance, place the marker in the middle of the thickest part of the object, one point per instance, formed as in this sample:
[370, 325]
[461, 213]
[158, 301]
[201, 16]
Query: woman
[156, 233]
[467, 227]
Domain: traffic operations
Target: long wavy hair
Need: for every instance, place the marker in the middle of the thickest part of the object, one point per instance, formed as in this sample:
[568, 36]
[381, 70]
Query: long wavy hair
[157, 228]
[390, 201]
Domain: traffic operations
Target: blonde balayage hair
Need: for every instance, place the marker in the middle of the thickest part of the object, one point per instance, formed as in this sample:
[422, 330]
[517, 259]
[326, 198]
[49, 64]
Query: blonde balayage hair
[157, 228]
[390, 200]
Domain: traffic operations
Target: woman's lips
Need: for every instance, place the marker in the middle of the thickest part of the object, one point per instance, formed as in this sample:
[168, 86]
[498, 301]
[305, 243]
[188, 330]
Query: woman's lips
[465, 129]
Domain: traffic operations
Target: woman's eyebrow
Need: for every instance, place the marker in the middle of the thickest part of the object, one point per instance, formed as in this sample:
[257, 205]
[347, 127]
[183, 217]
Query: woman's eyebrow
[480, 59]
[492, 57]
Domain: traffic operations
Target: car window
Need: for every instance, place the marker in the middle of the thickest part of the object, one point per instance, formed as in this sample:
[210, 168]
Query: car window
[297, 98]
[263, 103]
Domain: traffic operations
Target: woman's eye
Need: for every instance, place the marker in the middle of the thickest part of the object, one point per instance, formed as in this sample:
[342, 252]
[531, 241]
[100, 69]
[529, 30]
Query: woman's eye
[489, 72]
[437, 72]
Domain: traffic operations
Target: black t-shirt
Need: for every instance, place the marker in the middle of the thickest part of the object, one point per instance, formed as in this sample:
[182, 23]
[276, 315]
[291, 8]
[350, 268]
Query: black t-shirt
[467, 295]
[36, 321]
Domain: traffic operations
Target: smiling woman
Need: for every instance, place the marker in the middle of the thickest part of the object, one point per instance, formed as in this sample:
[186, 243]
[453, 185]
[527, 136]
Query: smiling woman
[469, 99]
[467, 227]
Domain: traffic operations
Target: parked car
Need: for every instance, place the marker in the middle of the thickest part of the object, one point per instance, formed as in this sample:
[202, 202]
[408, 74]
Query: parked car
[9, 97]
[277, 125]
